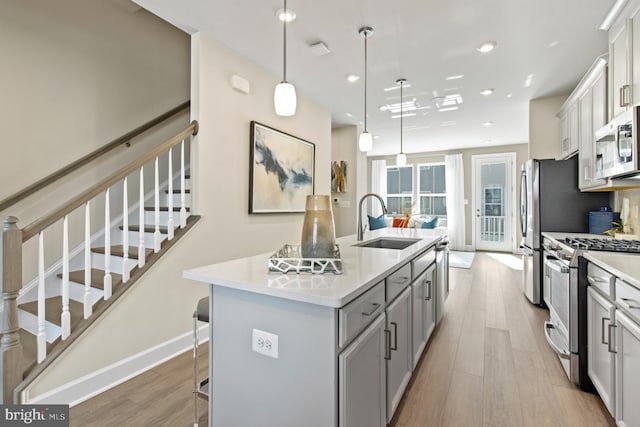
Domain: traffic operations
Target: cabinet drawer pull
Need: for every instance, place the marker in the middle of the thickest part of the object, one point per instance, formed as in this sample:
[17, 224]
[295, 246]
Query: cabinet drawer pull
[395, 336]
[629, 300]
[602, 323]
[611, 350]
[401, 279]
[387, 344]
[593, 280]
[374, 307]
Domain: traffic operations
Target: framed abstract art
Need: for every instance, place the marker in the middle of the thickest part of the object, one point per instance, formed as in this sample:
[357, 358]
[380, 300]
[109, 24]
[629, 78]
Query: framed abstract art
[281, 171]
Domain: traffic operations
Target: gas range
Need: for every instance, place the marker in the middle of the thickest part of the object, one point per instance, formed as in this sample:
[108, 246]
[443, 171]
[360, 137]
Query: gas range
[603, 244]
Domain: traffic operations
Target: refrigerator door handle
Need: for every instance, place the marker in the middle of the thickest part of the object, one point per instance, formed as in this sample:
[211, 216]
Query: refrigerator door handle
[523, 203]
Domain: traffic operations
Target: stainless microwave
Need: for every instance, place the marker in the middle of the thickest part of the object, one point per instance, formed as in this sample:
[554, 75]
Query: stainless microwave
[616, 149]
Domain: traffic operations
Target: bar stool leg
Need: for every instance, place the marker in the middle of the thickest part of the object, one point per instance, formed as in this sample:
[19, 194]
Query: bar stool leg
[195, 369]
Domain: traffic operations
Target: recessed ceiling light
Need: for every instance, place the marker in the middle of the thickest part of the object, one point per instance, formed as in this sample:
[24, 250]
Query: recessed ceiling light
[528, 80]
[553, 43]
[509, 95]
[397, 116]
[376, 136]
[486, 92]
[388, 89]
[288, 16]
[348, 115]
[384, 107]
[486, 47]
[487, 141]
[456, 77]
[352, 78]
[487, 124]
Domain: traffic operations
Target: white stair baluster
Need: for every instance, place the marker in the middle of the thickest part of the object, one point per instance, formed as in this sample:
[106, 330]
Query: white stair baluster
[170, 208]
[108, 280]
[183, 209]
[42, 336]
[88, 309]
[125, 231]
[65, 317]
[156, 235]
[141, 253]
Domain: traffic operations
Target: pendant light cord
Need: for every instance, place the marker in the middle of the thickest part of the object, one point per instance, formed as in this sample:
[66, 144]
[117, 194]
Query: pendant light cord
[365, 81]
[284, 44]
[401, 86]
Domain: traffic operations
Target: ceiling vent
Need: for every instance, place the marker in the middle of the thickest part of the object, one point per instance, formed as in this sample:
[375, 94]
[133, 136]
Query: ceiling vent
[319, 49]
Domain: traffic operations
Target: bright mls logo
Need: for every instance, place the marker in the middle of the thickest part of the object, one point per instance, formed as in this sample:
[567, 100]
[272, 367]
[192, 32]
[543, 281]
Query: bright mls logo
[35, 415]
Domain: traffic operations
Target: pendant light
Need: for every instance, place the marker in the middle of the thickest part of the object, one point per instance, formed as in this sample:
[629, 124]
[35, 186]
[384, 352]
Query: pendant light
[401, 158]
[365, 142]
[284, 97]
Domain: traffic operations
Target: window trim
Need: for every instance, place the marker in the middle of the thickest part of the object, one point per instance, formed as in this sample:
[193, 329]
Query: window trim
[429, 195]
[413, 187]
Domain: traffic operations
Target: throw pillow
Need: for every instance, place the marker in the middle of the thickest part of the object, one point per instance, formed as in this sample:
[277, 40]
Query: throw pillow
[375, 223]
[432, 223]
[401, 222]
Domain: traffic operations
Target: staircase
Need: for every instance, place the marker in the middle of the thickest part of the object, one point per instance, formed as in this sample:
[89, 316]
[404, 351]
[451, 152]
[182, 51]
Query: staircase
[58, 305]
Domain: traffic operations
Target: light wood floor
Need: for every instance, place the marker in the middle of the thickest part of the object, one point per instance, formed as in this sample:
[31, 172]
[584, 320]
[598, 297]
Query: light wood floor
[487, 365]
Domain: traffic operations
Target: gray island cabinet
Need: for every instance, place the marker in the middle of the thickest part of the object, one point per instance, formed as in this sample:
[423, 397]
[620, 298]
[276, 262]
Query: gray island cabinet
[319, 350]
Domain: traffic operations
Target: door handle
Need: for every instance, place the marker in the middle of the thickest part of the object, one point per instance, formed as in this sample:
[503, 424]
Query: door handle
[610, 341]
[602, 324]
[395, 336]
[428, 283]
[387, 344]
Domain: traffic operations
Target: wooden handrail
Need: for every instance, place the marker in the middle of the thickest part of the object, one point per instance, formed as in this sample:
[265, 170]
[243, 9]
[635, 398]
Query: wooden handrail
[124, 139]
[37, 226]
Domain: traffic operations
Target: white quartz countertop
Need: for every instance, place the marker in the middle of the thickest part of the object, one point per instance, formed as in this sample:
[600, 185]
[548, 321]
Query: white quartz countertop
[624, 266]
[362, 269]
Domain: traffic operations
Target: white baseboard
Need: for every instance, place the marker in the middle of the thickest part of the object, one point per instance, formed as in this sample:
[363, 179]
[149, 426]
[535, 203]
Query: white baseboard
[88, 386]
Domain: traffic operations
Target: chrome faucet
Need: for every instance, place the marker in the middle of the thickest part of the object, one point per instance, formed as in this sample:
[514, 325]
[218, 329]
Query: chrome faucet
[360, 226]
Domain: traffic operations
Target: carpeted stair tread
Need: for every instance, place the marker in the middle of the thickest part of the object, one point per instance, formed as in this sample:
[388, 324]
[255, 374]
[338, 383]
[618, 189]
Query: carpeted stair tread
[165, 209]
[147, 228]
[97, 278]
[118, 251]
[187, 191]
[53, 310]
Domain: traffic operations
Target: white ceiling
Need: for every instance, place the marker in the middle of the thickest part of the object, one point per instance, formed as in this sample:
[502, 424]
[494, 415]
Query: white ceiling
[423, 41]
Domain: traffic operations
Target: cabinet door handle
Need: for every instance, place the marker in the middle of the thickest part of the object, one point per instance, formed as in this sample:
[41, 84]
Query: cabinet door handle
[621, 96]
[602, 324]
[627, 95]
[395, 336]
[374, 307]
[428, 283]
[387, 344]
[611, 350]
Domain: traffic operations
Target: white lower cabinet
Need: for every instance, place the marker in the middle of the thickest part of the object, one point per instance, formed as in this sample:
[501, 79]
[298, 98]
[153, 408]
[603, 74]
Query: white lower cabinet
[600, 314]
[399, 363]
[627, 371]
[362, 378]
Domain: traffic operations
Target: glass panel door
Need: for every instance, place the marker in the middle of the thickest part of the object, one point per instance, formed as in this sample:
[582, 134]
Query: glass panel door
[493, 202]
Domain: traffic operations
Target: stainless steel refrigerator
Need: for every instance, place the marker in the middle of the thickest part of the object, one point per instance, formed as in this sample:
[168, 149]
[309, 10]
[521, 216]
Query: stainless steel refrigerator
[550, 201]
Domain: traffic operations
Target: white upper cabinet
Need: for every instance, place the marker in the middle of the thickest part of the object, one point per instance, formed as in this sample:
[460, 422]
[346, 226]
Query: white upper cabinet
[592, 109]
[620, 61]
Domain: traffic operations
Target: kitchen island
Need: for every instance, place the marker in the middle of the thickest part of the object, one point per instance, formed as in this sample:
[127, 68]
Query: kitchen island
[316, 350]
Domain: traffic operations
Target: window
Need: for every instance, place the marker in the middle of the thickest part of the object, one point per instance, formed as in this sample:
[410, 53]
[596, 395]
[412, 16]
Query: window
[399, 189]
[493, 202]
[432, 189]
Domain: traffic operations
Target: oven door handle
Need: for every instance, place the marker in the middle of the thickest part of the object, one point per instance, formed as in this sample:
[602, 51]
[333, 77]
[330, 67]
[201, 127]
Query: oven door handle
[564, 354]
[556, 265]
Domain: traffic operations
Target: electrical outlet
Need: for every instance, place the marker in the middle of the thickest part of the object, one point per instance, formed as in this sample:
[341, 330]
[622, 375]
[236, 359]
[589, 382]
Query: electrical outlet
[264, 343]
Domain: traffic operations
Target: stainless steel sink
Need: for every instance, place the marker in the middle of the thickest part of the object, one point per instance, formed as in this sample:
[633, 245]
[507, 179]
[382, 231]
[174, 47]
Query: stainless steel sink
[388, 243]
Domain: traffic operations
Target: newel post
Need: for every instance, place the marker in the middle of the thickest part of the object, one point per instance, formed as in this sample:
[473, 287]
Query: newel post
[10, 284]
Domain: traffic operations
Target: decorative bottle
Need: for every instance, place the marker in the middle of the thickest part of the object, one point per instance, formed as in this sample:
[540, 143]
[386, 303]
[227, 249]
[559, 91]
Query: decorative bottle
[318, 231]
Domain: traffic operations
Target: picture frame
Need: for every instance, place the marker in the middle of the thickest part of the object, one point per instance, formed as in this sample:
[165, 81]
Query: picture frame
[281, 171]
